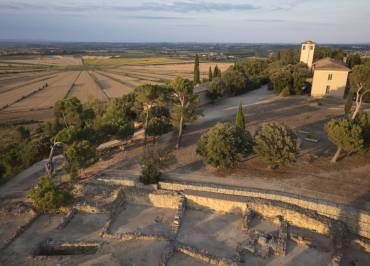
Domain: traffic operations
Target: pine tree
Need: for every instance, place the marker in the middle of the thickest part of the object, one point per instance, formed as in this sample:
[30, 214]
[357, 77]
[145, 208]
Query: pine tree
[217, 72]
[239, 119]
[196, 70]
[210, 74]
[349, 101]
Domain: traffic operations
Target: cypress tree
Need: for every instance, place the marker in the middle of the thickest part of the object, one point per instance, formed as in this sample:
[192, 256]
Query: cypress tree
[196, 70]
[239, 119]
[349, 101]
[216, 72]
[210, 74]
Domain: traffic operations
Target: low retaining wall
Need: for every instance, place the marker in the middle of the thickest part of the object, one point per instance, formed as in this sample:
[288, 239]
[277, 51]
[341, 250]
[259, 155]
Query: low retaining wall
[271, 209]
[358, 221]
[203, 255]
[160, 199]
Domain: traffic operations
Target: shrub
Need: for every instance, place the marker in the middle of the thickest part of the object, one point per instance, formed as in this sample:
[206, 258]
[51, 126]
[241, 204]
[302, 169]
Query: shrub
[363, 119]
[154, 159]
[285, 92]
[80, 154]
[46, 197]
[349, 102]
[345, 134]
[159, 121]
[224, 145]
[2, 171]
[216, 89]
[235, 82]
[239, 118]
[276, 144]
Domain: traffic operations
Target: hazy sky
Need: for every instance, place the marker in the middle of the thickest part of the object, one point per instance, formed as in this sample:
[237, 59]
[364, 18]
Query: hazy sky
[326, 21]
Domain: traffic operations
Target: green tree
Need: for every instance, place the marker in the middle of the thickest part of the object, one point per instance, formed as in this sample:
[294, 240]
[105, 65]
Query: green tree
[322, 52]
[349, 102]
[235, 82]
[353, 60]
[196, 70]
[216, 72]
[118, 119]
[149, 96]
[360, 77]
[80, 155]
[23, 134]
[36, 150]
[363, 119]
[2, 172]
[68, 112]
[154, 159]
[159, 121]
[185, 103]
[276, 144]
[210, 75]
[224, 145]
[289, 56]
[12, 158]
[239, 119]
[346, 134]
[216, 89]
[47, 197]
[255, 70]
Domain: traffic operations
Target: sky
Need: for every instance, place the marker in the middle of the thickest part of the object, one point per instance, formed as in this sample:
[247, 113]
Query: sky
[224, 21]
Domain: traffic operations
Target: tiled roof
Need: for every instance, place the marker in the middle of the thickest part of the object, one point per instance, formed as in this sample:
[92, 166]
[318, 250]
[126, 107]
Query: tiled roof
[330, 64]
[308, 42]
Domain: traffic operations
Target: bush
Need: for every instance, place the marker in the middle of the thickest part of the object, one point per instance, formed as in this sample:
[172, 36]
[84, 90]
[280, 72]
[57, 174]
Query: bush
[154, 159]
[46, 197]
[345, 134]
[285, 92]
[224, 145]
[276, 144]
[159, 121]
[235, 82]
[12, 158]
[80, 154]
[2, 171]
[216, 89]
[364, 122]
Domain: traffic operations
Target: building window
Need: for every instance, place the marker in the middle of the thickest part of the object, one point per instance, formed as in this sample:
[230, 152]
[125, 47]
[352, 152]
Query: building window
[304, 47]
[330, 76]
[311, 47]
[327, 91]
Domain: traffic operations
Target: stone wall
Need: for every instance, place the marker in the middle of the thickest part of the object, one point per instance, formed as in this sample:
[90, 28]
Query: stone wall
[160, 199]
[267, 208]
[358, 221]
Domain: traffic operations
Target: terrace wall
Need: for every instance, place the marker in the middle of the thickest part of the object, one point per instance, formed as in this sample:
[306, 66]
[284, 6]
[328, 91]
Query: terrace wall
[160, 199]
[358, 221]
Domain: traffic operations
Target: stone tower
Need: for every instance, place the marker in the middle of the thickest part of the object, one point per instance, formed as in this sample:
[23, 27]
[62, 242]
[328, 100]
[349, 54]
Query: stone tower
[307, 53]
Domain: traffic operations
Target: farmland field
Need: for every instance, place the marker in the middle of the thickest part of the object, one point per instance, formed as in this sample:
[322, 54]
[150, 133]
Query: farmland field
[31, 85]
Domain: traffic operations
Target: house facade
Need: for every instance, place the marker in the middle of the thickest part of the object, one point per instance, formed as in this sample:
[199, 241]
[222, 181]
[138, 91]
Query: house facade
[330, 78]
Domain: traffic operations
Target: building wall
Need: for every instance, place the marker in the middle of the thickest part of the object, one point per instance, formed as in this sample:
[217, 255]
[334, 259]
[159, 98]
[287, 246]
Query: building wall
[337, 84]
[307, 54]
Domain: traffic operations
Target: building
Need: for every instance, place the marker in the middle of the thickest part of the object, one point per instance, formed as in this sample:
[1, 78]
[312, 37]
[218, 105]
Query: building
[330, 78]
[202, 90]
[307, 53]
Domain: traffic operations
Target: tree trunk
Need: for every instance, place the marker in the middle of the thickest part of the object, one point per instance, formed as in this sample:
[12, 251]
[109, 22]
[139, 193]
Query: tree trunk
[146, 124]
[336, 155]
[180, 131]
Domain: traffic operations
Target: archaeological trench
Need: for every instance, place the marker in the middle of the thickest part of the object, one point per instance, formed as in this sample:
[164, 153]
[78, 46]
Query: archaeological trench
[117, 221]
